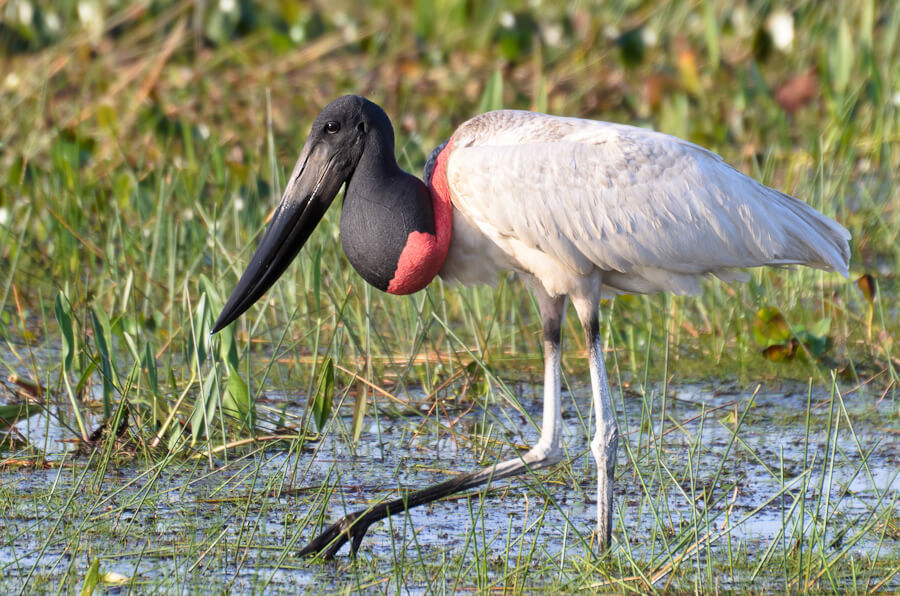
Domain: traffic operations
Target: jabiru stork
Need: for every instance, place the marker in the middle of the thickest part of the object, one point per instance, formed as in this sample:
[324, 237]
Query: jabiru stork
[579, 209]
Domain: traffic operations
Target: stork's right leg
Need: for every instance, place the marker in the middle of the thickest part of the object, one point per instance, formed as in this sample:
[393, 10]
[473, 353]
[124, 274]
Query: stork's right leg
[606, 436]
[546, 452]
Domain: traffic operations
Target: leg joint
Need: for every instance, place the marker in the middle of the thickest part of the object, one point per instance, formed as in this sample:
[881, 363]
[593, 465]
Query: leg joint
[605, 439]
[544, 454]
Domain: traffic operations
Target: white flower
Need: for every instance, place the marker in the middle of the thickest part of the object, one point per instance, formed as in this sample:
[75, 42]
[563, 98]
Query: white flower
[780, 26]
[51, 19]
[553, 35]
[90, 17]
[25, 12]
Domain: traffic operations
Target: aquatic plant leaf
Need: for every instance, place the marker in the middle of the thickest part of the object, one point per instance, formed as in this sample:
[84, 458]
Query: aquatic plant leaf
[212, 295]
[12, 413]
[174, 436]
[822, 328]
[85, 377]
[201, 328]
[492, 97]
[816, 345]
[102, 338]
[126, 328]
[321, 404]
[359, 415]
[204, 407]
[236, 402]
[781, 352]
[91, 579]
[770, 327]
[841, 56]
[149, 363]
[63, 311]
[227, 348]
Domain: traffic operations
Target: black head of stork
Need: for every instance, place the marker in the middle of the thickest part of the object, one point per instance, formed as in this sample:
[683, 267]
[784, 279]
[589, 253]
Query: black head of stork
[388, 226]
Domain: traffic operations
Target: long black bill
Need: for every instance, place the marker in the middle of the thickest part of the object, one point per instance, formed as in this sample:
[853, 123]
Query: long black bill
[308, 194]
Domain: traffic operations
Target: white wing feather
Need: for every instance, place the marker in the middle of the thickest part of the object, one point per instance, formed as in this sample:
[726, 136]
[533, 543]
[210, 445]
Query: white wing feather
[563, 198]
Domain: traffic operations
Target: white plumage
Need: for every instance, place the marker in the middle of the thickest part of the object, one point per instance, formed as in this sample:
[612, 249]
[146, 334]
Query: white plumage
[568, 200]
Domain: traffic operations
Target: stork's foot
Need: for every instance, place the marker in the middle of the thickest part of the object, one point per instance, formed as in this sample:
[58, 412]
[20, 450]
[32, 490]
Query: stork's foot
[329, 542]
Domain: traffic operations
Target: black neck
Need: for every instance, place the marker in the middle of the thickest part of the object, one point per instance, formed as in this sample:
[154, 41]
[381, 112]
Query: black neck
[382, 206]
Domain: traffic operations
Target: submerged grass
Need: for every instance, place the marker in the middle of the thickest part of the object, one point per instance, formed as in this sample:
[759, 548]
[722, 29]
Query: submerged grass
[147, 142]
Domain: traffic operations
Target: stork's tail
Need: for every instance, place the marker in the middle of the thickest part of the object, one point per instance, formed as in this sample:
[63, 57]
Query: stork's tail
[813, 239]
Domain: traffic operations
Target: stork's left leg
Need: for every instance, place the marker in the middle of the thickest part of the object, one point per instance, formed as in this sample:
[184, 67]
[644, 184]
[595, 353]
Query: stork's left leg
[606, 437]
[546, 452]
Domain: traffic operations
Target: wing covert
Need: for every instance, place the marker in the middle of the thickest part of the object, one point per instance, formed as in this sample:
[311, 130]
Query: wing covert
[627, 200]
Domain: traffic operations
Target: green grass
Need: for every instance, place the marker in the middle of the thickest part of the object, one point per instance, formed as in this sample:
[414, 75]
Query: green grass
[146, 146]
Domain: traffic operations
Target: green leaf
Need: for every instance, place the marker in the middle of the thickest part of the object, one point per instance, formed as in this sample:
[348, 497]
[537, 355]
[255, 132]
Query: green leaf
[359, 415]
[174, 436]
[91, 579]
[770, 327]
[201, 328]
[321, 405]
[64, 317]
[541, 101]
[102, 338]
[150, 364]
[866, 23]
[204, 408]
[212, 294]
[85, 377]
[822, 328]
[492, 97]
[840, 56]
[227, 349]
[814, 344]
[12, 413]
[236, 401]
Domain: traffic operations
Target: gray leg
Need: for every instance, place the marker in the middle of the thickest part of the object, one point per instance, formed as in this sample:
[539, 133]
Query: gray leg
[606, 437]
[546, 452]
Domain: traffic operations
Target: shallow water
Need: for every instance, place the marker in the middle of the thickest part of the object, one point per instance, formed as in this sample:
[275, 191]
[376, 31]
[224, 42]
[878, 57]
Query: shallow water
[692, 476]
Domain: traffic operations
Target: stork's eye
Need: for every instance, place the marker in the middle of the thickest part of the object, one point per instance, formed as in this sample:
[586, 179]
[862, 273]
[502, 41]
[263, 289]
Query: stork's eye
[332, 127]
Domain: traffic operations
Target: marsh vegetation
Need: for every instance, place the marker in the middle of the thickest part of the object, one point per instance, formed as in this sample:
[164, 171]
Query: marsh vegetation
[145, 145]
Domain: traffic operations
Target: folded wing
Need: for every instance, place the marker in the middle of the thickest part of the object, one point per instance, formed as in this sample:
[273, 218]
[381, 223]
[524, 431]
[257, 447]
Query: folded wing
[650, 211]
